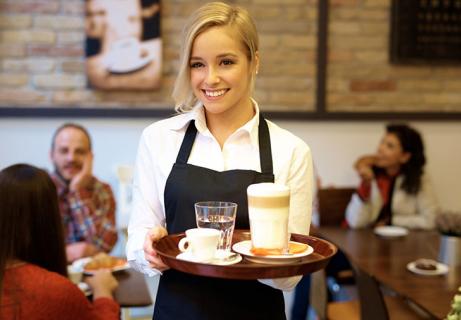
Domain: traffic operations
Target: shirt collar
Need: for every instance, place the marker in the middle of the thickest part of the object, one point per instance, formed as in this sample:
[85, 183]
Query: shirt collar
[198, 114]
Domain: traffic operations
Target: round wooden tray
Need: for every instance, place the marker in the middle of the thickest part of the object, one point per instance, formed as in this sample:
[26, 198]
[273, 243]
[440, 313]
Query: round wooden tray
[167, 248]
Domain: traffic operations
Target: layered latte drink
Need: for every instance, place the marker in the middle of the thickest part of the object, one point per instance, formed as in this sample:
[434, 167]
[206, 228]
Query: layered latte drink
[268, 210]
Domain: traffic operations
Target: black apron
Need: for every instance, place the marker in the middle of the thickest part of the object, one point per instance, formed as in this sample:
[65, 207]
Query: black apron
[184, 296]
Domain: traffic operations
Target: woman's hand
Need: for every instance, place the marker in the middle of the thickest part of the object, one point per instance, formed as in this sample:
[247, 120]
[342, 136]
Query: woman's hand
[365, 173]
[150, 254]
[364, 166]
[102, 282]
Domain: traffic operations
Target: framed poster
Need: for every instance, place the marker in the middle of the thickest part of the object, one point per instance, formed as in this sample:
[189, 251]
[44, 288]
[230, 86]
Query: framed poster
[426, 31]
[123, 44]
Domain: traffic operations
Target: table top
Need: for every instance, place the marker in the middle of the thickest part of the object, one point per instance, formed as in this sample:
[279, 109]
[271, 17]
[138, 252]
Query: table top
[167, 248]
[386, 260]
[132, 289]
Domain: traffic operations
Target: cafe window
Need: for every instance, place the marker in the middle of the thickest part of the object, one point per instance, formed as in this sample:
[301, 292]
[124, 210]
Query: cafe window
[426, 31]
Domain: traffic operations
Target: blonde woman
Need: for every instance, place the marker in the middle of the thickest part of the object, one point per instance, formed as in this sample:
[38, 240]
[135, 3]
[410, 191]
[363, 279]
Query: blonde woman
[217, 146]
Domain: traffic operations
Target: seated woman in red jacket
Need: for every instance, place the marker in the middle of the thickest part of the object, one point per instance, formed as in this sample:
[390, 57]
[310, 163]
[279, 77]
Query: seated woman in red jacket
[394, 189]
[33, 282]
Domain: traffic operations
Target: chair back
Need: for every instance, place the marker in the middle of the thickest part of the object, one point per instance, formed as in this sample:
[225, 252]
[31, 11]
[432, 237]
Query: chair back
[332, 205]
[124, 174]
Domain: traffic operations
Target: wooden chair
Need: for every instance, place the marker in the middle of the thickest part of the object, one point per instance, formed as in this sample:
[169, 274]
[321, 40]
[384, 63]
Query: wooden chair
[332, 205]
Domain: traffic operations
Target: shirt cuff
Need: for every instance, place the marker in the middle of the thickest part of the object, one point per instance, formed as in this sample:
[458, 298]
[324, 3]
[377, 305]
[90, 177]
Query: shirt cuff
[142, 265]
[285, 284]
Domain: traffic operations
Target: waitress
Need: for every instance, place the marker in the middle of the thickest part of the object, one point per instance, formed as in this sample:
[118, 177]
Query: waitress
[214, 149]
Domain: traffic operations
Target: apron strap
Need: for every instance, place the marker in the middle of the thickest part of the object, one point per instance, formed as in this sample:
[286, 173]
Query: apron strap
[187, 143]
[265, 151]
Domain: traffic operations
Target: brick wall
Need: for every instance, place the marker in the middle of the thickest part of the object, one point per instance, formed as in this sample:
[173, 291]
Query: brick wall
[360, 76]
[42, 58]
[42, 54]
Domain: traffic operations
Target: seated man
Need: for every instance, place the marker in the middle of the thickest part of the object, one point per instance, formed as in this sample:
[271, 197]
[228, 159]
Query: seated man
[87, 205]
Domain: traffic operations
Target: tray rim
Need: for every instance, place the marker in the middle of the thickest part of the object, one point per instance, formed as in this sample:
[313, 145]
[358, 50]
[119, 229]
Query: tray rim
[245, 269]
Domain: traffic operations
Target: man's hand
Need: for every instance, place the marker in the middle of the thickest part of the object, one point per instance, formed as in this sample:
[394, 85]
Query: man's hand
[79, 250]
[150, 254]
[83, 178]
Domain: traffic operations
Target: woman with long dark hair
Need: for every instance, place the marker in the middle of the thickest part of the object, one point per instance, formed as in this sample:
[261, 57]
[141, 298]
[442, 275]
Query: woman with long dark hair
[394, 189]
[33, 270]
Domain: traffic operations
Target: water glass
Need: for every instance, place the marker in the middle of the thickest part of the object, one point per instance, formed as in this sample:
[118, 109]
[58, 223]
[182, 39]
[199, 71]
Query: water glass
[218, 215]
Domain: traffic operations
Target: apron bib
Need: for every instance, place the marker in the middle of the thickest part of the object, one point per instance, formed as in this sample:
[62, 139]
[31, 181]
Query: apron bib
[185, 296]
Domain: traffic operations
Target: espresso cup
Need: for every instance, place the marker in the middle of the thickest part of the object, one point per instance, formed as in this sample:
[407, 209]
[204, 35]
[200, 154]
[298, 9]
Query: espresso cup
[201, 243]
[268, 211]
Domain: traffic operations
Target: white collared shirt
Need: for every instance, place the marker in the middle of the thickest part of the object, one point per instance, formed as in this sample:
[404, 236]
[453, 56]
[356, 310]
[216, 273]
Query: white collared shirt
[159, 146]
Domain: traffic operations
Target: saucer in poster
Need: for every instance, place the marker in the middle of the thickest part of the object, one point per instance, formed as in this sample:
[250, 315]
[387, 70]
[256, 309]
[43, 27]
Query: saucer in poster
[244, 248]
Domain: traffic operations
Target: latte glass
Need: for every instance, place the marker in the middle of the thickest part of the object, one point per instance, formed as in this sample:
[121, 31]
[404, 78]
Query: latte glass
[268, 211]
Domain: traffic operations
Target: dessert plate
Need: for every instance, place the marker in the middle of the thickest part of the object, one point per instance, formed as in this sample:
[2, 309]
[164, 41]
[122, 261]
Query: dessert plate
[440, 269]
[244, 248]
[391, 231]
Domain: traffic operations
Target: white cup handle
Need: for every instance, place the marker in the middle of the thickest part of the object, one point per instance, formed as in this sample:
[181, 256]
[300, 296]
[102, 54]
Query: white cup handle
[182, 244]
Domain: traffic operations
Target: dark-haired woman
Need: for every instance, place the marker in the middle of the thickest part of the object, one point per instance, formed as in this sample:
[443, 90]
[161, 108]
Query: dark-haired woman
[394, 189]
[33, 270]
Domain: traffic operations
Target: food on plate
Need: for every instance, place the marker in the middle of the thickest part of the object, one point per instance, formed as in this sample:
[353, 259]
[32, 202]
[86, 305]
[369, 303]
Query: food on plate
[426, 264]
[103, 261]
[293, 248]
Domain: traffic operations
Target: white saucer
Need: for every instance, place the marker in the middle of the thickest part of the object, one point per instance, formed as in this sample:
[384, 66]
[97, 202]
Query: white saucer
[441, 269]
[244, 248]
[391, 231]
[219, 259]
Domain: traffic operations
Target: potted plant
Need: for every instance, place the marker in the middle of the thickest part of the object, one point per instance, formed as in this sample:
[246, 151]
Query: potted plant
[449, 226]
[455, 312]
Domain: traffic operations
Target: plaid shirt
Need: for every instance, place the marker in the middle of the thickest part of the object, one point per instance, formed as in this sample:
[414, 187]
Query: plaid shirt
[88, 214]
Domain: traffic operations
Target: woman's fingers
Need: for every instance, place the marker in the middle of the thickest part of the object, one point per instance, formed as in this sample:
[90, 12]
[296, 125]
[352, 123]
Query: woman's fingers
[150, 254]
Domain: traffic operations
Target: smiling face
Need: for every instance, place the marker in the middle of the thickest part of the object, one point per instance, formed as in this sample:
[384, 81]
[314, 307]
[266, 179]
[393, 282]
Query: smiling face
[71, 147]
[220, 72]
[390, 155]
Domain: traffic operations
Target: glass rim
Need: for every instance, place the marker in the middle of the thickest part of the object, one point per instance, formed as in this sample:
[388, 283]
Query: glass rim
[215, 204]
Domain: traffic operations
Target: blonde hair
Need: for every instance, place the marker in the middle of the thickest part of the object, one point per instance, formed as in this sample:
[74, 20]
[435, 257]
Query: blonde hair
[213, 14]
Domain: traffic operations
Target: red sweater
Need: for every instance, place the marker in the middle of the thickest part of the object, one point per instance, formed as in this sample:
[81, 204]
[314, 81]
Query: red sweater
[31, 292]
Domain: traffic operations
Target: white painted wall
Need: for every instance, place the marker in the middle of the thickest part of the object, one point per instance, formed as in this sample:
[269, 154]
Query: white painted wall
[335, 146]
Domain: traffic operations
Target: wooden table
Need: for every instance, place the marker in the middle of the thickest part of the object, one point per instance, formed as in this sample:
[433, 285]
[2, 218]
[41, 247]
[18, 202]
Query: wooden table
[386, 260]
[132, 289]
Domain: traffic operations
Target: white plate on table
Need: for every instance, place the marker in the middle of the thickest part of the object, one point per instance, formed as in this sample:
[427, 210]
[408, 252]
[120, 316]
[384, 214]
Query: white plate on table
[80, 265]
[391, 231]
[244, 248]
[440, 269]
[219, 260]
